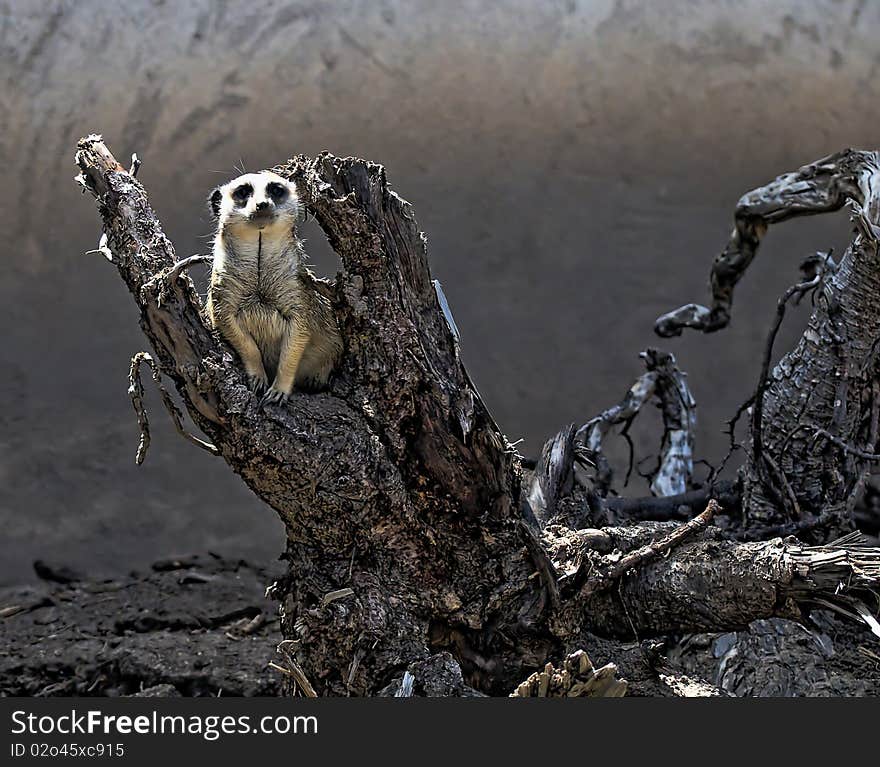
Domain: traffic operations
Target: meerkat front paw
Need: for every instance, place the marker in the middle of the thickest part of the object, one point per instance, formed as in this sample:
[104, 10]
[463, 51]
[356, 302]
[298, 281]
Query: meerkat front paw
[274, 396]
[257, 382]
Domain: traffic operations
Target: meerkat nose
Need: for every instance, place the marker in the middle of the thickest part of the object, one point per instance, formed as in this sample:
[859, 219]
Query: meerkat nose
[262, 205]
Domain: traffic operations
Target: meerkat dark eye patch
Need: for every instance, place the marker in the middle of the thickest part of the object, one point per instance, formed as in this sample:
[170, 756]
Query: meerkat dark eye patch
[241, 194]
[276, 191]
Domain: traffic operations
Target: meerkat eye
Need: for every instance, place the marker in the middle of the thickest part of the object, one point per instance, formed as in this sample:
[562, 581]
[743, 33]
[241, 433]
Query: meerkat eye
[241, 194]
[276, 191]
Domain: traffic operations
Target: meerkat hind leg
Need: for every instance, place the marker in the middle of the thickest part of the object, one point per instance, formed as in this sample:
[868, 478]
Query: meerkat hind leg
[315, 367]
[292, 347]
[243, 343]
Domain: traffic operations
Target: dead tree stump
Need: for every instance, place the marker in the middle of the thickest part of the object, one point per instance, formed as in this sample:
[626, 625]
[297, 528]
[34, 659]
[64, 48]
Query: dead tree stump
[410, 546]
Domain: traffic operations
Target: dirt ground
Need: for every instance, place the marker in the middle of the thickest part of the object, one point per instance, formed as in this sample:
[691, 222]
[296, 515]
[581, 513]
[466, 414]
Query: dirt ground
[201, 626]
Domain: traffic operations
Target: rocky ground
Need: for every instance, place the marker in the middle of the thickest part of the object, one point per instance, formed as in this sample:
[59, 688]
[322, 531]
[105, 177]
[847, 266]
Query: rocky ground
[201, 625]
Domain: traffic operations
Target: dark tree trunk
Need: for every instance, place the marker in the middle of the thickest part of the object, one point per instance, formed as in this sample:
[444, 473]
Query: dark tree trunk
[412, 556]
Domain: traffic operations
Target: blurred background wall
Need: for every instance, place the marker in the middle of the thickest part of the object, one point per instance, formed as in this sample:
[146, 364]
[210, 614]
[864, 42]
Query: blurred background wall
[575, 165]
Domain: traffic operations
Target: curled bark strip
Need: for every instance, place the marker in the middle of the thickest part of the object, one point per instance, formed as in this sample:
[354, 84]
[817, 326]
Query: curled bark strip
[553, 475]
[136, 392]
[820, 187]
[102, 249]
[669, 385]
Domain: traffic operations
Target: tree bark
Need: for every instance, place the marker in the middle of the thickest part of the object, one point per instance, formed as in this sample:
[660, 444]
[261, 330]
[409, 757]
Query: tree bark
[410, 545]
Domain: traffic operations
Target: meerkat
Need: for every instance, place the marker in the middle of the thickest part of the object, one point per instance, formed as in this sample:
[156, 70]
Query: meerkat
[260, 299]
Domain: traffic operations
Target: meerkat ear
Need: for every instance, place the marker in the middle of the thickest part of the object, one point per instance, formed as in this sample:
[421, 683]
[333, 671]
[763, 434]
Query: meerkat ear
[214, 202]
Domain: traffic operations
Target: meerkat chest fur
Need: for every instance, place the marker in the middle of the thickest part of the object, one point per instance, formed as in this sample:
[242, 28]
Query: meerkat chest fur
[259, 298]
[260, 268]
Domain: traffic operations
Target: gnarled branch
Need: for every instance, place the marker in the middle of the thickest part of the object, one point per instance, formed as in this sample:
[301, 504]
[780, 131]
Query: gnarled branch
[820, 187]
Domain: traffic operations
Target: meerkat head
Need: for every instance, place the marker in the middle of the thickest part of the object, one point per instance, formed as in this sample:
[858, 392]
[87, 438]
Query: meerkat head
[264, 201]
